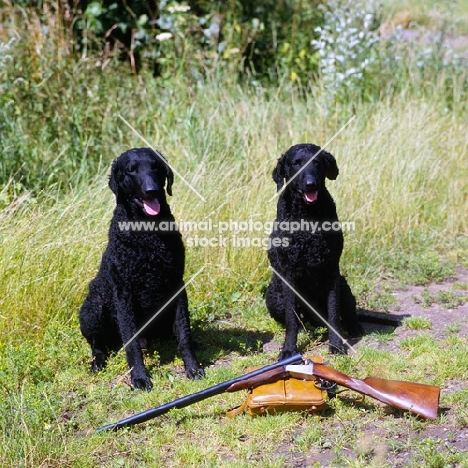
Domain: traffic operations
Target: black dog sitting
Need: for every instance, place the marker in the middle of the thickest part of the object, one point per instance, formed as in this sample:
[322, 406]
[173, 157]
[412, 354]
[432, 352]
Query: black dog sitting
[308, 258]
[140, 271]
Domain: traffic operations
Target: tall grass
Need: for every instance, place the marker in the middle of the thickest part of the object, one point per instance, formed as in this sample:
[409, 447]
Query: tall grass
[401, 181]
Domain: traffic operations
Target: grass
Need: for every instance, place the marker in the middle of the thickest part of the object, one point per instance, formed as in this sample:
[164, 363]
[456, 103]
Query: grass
[402, 181]
[55, 268]
[448, 299]
[417, 323]
[383, 336]
[428, 13]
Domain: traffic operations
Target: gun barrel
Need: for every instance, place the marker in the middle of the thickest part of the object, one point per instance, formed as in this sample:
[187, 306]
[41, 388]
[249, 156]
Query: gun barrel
[196, 397]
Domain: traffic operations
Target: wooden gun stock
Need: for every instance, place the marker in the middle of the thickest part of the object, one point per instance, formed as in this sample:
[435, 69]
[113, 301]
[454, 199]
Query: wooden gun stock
[419, 399]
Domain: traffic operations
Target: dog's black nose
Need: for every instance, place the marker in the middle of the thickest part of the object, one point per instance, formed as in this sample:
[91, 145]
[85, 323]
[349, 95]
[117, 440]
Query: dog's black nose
[150, 188]
[311, 185]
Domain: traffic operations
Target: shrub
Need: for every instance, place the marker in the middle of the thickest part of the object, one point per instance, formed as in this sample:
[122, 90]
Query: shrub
[263, 38]
[348, 47]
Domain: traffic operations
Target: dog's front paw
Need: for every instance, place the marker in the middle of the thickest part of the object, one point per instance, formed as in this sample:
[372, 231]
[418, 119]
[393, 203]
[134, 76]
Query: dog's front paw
[142, 383]
[195, 373]
[354, 329]
[98, 362]
[286, 353]
[338, 348]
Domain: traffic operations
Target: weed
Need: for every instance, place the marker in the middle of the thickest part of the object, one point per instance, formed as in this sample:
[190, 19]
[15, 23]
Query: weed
[375, 297]
[451, 300]
[448, 299]
[421, 268]
[434, 455]
[453, 328]
[382, 337]
[347, 46]
[417, 323]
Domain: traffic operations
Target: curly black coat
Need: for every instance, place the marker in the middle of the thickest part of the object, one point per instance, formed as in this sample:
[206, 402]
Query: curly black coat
[140, 272]
[307, 260]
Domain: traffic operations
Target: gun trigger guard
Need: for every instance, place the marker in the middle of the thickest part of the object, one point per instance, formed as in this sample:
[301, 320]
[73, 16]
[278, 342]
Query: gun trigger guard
[323, 384]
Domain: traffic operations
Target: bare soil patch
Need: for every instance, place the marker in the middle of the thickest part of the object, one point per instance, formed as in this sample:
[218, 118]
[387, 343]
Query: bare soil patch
[445, 320]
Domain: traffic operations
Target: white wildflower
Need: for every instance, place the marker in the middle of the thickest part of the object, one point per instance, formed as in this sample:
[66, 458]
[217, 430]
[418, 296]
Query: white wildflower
[164, 36]
[178, 9]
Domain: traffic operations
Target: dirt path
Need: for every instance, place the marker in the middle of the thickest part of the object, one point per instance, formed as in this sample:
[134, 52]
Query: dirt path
[445, 318]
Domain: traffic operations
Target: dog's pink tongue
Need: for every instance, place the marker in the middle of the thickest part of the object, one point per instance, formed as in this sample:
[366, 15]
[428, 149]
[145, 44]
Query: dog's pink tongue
[151, 207]
[310, 196]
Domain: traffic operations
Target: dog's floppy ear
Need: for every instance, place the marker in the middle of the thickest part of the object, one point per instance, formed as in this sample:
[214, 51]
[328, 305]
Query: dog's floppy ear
[114, 177]
[170, 179]
[279, 172]
[169, 174]
[331, 168]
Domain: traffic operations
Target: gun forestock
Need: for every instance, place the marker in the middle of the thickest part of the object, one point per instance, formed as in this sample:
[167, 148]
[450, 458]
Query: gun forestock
[261, 379]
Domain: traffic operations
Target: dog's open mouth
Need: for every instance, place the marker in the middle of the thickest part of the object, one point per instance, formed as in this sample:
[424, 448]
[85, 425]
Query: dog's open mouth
[150, 206]
[310, 197]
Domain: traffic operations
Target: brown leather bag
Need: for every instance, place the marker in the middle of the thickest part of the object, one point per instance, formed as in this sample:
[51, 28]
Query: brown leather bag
[284, 395]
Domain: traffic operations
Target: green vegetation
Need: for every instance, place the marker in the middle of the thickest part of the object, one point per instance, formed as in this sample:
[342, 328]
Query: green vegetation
[448, 299]
[421, 268]
[417, 323]
[403, 165]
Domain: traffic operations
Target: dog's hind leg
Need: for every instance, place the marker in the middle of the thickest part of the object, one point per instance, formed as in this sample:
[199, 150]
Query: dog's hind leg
[349, 317]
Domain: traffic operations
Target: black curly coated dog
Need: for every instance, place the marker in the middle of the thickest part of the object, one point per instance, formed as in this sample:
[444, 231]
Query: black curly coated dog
[305, 251]
[139, 272]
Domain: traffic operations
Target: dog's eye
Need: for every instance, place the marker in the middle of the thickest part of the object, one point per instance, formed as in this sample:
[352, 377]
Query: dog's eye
[131, 170]
[296, 162]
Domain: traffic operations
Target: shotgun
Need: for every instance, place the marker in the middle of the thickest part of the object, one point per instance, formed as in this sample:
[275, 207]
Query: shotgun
[420, 399]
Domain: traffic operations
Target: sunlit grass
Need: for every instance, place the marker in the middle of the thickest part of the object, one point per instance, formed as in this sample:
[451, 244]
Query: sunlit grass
[401, 182]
